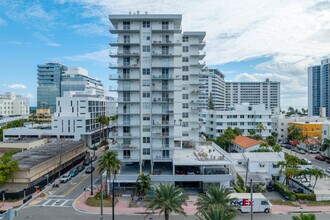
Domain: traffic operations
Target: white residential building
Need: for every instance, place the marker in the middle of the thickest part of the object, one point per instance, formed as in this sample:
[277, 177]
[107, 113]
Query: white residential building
[262, 166]
[75, 118]
[12, 104]
[243, 144]
[244, 117]
[267, 92]
[157, 73]
[212, 85]
[280, 124]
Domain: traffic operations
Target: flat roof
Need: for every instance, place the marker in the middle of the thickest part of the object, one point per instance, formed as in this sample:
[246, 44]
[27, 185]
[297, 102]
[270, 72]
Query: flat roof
[21, 140]
[307, 123]
[204, 154]
[264, 156]
[144, 16]
[30, 158]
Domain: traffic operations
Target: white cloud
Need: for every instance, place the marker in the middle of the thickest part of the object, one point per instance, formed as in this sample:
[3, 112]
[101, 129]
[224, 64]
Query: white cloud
[17, 86]
[46, 40]
[294, 34]
[101, 56]
[90, 29]
[29, 95]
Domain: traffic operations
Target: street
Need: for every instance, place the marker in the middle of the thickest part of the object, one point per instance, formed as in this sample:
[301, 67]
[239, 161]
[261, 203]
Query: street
[51, 213]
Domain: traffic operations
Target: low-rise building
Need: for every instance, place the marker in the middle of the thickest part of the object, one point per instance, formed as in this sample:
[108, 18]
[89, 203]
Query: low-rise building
[243, 144]
[280, 124]
[75, 119]
[42, 115]
[21, 144]
[42, 164]
[245, 117]
[310, 129]
[261, 167]
[310, 144]
[204, 165]
[12, 104]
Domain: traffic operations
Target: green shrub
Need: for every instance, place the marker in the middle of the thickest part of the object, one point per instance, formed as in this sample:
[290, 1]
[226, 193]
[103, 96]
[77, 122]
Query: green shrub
[238, 189]
[284, 191]
[240, 181]
[309, 197]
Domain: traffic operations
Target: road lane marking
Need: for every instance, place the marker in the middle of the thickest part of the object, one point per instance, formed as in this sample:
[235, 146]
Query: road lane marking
[47, 201]
[56, 202]
[64, 202]
[73, 188]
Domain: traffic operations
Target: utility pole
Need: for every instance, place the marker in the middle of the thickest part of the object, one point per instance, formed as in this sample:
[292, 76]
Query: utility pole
[90, 159]
[101, 216]
[251, 199]
[60, 166]
[246, 175]
[113, 195]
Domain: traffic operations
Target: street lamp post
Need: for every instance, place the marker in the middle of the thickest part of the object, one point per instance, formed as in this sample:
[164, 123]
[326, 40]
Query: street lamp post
[113, 194]
[101, 216]
[60, 166]
[91, 176]
[251, 199]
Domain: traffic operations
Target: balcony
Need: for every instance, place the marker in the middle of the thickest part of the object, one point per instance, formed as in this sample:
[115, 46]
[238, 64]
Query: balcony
[160, 134]
[124, 77]
[128, 146]
[128, 100]
[124, 65]
[124, 29]
[163, 100]
[164, 76]
[200, 55]
[124, 54]
[164, 54]
[162, 111]
[166, 42]
[194, 110]
[167, 28]
[201, 44]
[125, 42]
[194, 92]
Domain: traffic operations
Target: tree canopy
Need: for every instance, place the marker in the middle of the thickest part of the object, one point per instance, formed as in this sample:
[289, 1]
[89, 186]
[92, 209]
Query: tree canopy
[7, 167]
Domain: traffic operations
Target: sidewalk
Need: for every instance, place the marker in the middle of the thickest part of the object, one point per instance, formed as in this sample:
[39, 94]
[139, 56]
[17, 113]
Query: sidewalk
[302, 208]
[122, 206]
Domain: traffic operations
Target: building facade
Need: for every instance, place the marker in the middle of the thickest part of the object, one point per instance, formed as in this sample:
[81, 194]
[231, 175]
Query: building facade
[49, 84]
[12, 104]
[318, 88]
[280, 124]
[157, 74]
[267, 93]
[245, 117]
[212, 86]
[310, 129]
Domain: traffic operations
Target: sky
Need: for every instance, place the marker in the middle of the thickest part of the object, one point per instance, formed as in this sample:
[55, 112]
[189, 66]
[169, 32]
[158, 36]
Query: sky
[248, 40]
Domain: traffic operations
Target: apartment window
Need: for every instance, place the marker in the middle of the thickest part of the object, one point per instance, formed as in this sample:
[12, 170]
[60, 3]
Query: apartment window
[146, 35]
[165, 50]
[241, 116]
[241, 123]
[146, 71]
[185, 39]
[185, 105]
[165, 71]
[146, 128]
[185, 115]
[146, 48]
[146, 83]
[126, 25]
[185, 49]
[166, 153]
[185, 96]
[185, 77]
[146, 140]
[146, 94]
[165, 25]
[146, 24]
[127, 39]
[185, 68]
[127, 153]
[146, 118]
[146, 151]
[185, 59]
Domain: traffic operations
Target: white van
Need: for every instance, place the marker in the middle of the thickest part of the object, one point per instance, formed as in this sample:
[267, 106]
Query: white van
[243, 201]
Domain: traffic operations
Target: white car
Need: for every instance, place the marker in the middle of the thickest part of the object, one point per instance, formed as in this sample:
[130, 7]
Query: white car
[307, 161]
[65, 178]
[313, 151]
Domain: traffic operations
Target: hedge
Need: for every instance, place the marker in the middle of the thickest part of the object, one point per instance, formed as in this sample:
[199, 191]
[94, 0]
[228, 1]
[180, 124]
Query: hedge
[309, 197]
[238, 189]
[284, 191]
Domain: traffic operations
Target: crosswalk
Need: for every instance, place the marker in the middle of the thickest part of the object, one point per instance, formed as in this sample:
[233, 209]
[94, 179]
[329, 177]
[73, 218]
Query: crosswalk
[55, 202]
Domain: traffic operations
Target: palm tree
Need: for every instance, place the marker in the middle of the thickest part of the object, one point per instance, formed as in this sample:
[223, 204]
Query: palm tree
[214, 196]
[104, 121]
[110, 163]
[218, 213]
[318, 173]
[326, 145]
[167, 199]
[304, 217]
[142, 184]
[260, 127]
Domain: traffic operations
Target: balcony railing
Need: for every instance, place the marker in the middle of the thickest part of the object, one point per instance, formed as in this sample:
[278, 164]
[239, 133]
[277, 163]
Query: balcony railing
[167, 76]
[163, 99]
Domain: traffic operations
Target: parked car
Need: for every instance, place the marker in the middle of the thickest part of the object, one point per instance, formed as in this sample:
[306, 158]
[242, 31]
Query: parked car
[56, 183]
[65, 178]
[287, 146]
[327, 160]
[319, 157]
[89, 169]
[80, 168]
[86, 162]
[93, 158]
[313, 151]
[73, 173]
[328, 170]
